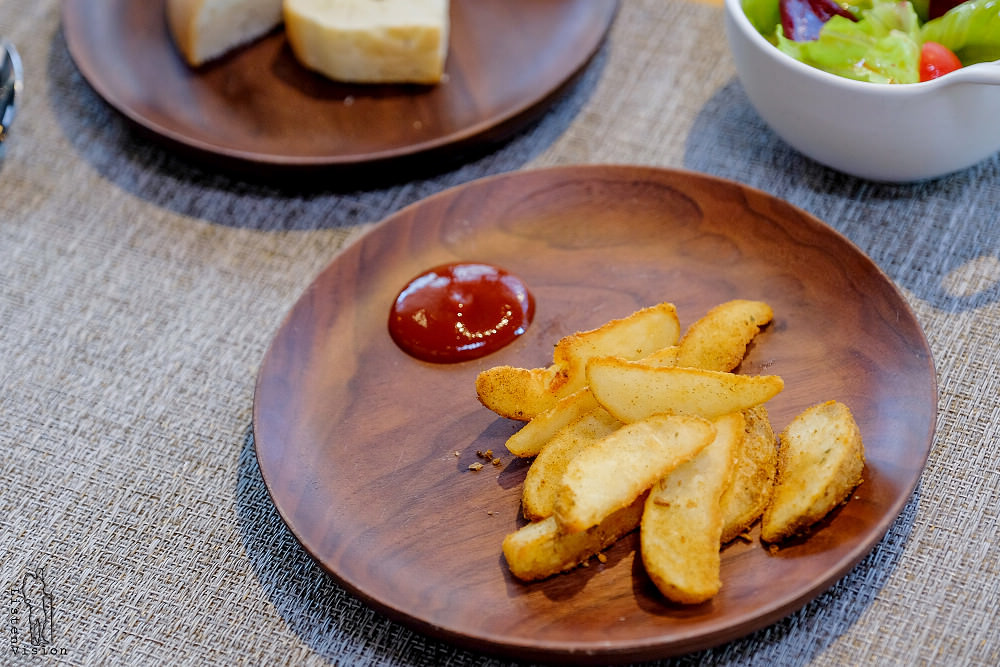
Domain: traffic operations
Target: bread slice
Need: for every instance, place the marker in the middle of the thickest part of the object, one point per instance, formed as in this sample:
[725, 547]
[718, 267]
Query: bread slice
[370, 41]
[206, 29]
[681, 526]
[820, 461]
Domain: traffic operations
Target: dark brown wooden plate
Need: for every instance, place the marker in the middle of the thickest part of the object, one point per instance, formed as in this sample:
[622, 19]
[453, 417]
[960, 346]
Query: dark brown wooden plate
[366, 451]
[508, 59]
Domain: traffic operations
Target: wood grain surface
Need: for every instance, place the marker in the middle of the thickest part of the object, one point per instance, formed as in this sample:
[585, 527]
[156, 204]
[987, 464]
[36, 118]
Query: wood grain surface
[259, 108]
[366, 451]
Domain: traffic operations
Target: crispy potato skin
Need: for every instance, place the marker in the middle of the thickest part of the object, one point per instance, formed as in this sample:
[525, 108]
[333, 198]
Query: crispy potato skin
[632, 391]
[544, 477]
[754, 469]
[613, 472]
[541, 549]
[821, 459]
[718, 341]
[524, 393]
[531, 438]
[517, 393]
[682, 521]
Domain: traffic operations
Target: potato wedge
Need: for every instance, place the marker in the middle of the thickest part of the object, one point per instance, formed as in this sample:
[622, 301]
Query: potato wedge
[820, 461]
[539, 550]
[529, 440]
[749, 490]
[632, 337]
[718, 341]
[542, 482]
[523, 393]
[517, 393]
[663, 357]
[682, 520]
[610, 474]
[632, 391]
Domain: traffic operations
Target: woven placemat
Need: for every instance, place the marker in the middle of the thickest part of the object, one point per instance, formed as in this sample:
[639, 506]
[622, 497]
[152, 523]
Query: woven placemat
[138, 293]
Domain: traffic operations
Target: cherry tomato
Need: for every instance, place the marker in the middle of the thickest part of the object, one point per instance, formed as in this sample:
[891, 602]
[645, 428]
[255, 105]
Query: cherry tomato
[937, 60]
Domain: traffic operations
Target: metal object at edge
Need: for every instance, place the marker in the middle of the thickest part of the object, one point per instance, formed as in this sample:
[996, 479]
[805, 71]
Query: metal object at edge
[11, 81]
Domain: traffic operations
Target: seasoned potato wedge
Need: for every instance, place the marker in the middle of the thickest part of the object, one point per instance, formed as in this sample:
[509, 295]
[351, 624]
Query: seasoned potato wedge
[820, 461]
[632, 391]
[613, 472]
[749, 490]
[635, 426]
[718, 341]
[681, 523]
[523, 393]
[517, 393]
[663, 357]
[529, 440]
[542, 482]
[541, 549]
[633, 337]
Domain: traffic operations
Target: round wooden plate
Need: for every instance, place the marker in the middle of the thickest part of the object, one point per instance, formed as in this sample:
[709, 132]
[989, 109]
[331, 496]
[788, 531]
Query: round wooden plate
[507, 60]
[366, 451]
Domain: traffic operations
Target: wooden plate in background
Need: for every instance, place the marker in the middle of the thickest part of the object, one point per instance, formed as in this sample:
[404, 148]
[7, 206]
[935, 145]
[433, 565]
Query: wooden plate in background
[357, 442]
[507, 60]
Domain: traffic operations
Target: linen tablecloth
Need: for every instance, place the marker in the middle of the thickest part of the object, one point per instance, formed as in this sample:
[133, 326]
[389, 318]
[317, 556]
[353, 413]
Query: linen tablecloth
[138, 294]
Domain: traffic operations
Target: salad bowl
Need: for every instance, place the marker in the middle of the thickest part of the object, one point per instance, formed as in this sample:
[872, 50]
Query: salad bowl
[878, 131]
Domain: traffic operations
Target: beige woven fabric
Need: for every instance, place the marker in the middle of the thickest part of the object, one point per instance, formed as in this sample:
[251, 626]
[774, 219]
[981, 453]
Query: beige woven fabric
[138, 295]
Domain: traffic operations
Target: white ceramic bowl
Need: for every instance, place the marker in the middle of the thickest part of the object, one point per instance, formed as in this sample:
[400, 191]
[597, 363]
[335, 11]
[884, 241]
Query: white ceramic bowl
[883, 132]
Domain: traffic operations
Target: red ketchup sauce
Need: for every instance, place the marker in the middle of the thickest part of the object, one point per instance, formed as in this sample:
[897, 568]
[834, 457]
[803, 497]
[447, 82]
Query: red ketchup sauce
[456, 312]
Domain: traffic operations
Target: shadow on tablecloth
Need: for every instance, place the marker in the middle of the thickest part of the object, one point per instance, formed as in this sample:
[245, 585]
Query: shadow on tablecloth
[939, 239]
[139, 165]
[343, 630]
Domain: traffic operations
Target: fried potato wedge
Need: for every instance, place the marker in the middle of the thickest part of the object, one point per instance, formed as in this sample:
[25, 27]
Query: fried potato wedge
[632, 391]
[613, 472]
[540, 549]
[718, 341]
[517, 393]
[681, 522]
[662, 358]
[523, 393]
[756, 461]
[633, 337]
[544, 476]
[529, 440]
[820, 461]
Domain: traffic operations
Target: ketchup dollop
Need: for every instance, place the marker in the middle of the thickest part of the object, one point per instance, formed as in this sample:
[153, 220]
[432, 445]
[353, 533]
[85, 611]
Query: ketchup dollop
[461, 311]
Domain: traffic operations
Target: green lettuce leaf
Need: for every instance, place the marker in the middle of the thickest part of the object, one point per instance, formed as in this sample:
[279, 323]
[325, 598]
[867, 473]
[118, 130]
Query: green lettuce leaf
[764, 15]
[882, 47]
[971, 30]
